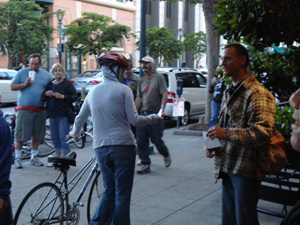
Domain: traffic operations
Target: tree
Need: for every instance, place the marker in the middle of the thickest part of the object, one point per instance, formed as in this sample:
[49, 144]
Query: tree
[162, 44]
[94, 34]
[264, 24]
[196, 44]
[22, 31]
[260, 23]
[213, 45]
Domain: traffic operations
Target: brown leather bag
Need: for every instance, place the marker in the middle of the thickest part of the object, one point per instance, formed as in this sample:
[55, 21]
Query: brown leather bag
[272, 158]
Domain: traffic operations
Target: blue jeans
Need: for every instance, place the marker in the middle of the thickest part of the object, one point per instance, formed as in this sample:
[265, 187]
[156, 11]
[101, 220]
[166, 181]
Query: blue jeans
[59, 127]
[155, 133]
[6, 218]
[239, 200]
[215, 108]
[116, 164]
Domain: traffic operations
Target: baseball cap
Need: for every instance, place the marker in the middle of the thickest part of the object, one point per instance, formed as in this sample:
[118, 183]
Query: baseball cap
[147, 59]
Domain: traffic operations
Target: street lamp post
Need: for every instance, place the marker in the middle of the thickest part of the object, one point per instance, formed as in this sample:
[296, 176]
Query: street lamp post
[60, 15]
[180, 34]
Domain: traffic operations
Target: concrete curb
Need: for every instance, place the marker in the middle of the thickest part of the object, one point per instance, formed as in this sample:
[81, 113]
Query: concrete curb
[187, 132]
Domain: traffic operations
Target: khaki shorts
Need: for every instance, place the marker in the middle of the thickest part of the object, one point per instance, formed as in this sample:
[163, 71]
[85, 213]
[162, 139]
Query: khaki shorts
[30, 125]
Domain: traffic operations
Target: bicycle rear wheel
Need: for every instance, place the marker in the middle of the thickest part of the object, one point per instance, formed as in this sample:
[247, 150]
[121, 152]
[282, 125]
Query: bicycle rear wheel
[49, 148]
[42, 205]
[94, 196]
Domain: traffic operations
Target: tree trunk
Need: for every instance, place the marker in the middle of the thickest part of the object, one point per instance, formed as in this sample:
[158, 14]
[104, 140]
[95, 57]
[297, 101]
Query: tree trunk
[213, 43]
[9, 66]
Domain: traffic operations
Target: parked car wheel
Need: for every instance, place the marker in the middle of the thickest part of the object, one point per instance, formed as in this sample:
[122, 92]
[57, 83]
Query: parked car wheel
[186, 116]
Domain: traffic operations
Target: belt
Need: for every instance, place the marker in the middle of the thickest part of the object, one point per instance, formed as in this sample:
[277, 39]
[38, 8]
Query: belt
[32, 109]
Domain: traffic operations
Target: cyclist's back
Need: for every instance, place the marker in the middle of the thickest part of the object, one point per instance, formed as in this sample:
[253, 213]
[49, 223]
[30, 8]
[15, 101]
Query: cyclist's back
[112, 107]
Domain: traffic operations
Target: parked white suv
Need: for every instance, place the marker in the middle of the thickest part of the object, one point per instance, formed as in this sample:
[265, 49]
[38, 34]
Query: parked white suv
[194, 92]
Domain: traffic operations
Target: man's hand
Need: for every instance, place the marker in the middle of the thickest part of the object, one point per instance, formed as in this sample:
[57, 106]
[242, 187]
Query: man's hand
[210, 153]
[215, 132]
[214, 81]
[3, 205]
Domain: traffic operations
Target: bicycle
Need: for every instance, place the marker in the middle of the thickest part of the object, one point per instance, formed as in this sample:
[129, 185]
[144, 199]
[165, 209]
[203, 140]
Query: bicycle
[87, 130]
[26, 149]
[48, 203]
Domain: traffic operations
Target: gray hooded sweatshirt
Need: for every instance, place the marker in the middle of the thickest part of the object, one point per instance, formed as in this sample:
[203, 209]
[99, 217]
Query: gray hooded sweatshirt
[113, 110]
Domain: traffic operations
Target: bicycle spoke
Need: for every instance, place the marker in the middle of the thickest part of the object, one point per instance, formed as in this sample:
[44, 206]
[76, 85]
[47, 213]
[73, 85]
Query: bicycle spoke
[42, 205]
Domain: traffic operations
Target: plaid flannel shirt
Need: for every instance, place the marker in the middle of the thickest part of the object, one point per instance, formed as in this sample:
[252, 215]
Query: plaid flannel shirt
[248, 119]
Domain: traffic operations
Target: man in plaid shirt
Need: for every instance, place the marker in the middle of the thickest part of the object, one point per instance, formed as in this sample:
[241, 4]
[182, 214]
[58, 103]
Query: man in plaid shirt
[246, 122]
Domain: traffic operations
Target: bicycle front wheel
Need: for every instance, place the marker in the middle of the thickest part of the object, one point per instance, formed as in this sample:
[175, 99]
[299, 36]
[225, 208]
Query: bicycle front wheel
[42, 205]
[80, 142]
[94, 196]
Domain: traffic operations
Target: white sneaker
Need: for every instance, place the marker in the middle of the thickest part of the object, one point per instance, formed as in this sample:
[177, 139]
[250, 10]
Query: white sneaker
[36, 162]
[18, 163]
[145, 168]
[167, 161]
[139, 163]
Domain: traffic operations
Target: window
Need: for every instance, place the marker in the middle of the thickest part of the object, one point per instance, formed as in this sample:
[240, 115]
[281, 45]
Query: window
[148, 7]
[186, 11]
[189, 80]
[168, 10]
[202, 80]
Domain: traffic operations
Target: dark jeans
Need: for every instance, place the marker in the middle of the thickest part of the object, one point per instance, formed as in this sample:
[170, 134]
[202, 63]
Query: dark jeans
[239, 200]
[116, 164]
[6, 218]
[155, 133]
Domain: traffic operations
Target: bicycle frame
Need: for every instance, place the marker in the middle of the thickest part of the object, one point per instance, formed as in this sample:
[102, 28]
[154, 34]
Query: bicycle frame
[63, 182]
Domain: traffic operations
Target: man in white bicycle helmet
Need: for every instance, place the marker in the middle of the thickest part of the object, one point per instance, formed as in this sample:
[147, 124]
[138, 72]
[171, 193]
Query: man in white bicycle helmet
[113, 110]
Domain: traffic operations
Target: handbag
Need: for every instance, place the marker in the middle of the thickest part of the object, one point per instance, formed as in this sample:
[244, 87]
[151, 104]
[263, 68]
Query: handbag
[272, 158]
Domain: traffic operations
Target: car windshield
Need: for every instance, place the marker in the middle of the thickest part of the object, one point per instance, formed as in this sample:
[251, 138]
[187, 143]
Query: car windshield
[7, 75]
[89, 74]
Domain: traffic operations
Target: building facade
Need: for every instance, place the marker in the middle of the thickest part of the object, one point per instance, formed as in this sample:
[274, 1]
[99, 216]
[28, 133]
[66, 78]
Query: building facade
[172, 15]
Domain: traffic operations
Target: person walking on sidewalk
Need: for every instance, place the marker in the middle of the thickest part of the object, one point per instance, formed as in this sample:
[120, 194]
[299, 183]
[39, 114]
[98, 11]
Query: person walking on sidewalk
[130, 79]
[246, 123]
[113, 140]
[6, 217]
[152, 94]
[217, 87]
[59, 95]
[30, 120]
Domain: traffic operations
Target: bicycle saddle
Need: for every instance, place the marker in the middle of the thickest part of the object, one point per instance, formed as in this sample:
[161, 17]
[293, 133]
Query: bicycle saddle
[68, 160]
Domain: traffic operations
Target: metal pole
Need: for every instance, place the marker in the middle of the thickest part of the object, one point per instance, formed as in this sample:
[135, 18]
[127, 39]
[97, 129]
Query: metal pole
[143, 33]
[59, 27]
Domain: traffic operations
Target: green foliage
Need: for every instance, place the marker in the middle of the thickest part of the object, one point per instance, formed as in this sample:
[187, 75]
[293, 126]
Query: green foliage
[196, 44]
[94, 34]
[279, 72]
[260, 22]
[24, 28]
[161, 43]
[284, 119]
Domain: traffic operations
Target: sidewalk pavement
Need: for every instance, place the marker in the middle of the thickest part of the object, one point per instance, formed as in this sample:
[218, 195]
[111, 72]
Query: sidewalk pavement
[183, 194]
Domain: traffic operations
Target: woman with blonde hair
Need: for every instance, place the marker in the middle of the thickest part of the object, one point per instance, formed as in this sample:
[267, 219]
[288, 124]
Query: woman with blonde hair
[59, 95]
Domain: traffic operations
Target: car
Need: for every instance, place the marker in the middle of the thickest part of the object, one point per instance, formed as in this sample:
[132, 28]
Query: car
[88, 79]
[203, 71]
[6, 95]
[194, 91]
